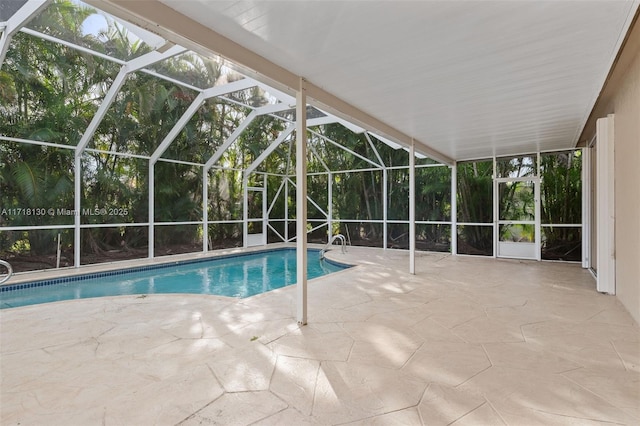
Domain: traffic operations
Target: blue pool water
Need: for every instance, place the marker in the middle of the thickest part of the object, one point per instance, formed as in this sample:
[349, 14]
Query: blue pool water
[235, 276]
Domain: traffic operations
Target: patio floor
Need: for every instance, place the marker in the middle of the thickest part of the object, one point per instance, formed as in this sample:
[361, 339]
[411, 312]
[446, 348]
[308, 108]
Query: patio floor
[464, 341]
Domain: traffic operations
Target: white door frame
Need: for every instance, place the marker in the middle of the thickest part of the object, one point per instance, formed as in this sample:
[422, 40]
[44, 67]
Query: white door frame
[534, 250]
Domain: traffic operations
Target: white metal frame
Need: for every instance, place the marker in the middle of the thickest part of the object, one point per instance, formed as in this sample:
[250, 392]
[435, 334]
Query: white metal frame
[509, 250]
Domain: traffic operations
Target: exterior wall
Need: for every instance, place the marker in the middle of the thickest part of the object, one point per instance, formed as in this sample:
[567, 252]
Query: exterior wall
[626, 107]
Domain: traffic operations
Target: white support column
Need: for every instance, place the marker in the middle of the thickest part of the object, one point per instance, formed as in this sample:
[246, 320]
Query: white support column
[586, 207]
[286, 208]
[265, 210]
[385, 207]
[151, 208]
[205, 210]
[77, 197]
[245, 209]
[496, 208]
[412, 209]
[454, 209]
[301, 201]
[329, 207]
[537, 205]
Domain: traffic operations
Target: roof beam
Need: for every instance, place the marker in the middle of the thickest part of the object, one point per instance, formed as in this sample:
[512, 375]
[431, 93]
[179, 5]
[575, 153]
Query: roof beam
[17, 21]
[129, 67]
[230, 140]
[267, 109]
[344, 148]
[157, 17]
[193, 108]
[272, 147]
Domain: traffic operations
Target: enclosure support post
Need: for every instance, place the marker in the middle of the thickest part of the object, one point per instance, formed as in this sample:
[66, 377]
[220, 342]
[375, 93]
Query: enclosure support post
[151, 210]
[329, 207]
[301, 201]
[265, 211]
[245, 210]
[586, 206]
[454, 209]
[412, 209]
[536, 196]
[385, 208]
[77, 198]
[205, 209]
[496, 209]
[286, 207]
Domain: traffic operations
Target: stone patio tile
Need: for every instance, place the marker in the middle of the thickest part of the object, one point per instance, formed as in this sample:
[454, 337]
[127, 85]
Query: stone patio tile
[527, 356]
[443, 405]
[244, 369]
[238, 408]
[516, 391]
[447, 363]
[408, 416]
[350, 391]
[294, 381]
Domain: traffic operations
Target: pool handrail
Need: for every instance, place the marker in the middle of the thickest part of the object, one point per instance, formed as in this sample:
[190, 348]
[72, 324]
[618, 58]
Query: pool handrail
[340, 237]
[9, 271]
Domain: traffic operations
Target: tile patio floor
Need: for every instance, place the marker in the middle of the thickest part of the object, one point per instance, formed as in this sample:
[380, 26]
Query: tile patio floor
[464, 341]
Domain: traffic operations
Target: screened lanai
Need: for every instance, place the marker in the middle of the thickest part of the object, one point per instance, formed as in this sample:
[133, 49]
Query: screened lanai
[120, 144]
[125, 140]
[452, 144]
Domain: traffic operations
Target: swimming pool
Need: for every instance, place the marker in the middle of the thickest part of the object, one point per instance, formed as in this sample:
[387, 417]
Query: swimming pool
[240, 275]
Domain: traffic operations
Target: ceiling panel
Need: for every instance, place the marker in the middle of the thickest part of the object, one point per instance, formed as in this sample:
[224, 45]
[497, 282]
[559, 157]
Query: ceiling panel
[470, 79]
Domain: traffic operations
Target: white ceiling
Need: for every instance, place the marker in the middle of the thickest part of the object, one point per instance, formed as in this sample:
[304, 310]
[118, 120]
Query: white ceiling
[469, 79]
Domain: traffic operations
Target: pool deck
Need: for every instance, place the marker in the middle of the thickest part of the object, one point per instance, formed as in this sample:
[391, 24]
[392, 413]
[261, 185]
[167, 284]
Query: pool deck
[464, 341]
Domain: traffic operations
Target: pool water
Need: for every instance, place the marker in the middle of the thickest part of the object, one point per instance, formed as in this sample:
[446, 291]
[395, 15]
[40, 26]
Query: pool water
[234, 276]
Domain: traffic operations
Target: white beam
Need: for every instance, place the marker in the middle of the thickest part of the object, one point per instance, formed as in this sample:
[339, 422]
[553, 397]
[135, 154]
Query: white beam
[273, 108]
[193, 108]
[19, 19]
[132, 66]
[205, 211]
[77, 205]
[177, 128]
[117, 84]
[373, 147]
[344, 148]
[151, 210]
[454, 209]
[301, 201]
[230, 140]
[386, 141]
[272, 147]
[385, 207]
[321, 121]
[152, 58]
[412, 210]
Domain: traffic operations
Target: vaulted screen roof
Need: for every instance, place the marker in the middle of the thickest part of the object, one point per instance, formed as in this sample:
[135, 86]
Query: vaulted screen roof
[468, 79]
